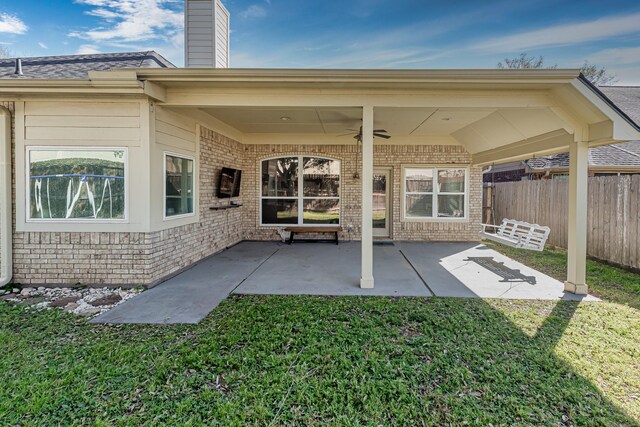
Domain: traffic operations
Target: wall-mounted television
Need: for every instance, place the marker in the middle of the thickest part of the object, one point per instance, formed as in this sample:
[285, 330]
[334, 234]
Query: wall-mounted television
[229, 183]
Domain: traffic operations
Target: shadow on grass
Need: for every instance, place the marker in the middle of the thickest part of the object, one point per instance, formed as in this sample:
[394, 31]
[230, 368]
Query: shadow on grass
[303, 360]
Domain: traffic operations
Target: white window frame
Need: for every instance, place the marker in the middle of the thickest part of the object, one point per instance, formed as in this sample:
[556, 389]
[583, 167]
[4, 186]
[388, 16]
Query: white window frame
[300, 197]
[435, 193]
[164, 185]
[28, 218]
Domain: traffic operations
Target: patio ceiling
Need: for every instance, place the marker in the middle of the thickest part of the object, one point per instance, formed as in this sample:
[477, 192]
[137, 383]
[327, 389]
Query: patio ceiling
[491, 134]
[335, 121]
[478, 129]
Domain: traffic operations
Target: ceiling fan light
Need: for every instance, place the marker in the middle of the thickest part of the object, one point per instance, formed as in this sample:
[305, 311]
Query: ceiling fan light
[285, 118]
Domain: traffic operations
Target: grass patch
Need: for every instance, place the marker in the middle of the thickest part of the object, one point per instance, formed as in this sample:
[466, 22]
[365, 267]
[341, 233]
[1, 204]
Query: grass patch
[296, 360]
[605, 281]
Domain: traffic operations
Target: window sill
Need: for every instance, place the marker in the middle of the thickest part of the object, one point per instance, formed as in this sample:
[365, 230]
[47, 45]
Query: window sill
[426, 219]
[76, 221]
[173, 217]
[298, 225]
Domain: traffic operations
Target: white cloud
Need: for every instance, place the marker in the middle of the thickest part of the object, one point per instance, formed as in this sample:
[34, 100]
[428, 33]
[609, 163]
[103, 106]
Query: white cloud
[626, 76]
[566, 34]
[131, 21]
[253, 11]
[42, 45]
[621, 55]
[87, 49]
[12, 24]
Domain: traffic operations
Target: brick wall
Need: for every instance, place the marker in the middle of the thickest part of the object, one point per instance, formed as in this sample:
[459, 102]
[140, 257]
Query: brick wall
[177, 248]
[131, 259]
[385, 156]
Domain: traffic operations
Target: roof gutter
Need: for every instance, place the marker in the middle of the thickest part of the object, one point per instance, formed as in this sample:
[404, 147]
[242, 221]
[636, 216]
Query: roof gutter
[348, 75]
[116, 85]
[6, 242]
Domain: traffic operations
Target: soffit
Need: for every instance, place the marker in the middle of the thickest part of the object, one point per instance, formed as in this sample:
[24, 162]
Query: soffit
[334, 121]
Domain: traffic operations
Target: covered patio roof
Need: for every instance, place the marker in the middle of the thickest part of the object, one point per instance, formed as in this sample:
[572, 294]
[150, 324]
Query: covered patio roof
[497, 115]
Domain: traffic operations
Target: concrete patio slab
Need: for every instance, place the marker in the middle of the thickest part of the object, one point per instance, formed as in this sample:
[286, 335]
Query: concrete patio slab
[191, 295]
[416, 269]
[321, 269]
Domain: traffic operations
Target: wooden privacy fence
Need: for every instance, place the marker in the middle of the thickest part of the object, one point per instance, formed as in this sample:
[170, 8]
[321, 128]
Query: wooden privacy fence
[613, 214]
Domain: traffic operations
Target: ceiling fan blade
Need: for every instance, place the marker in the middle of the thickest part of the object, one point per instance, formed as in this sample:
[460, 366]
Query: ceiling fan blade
[380, 130]
[382, 136]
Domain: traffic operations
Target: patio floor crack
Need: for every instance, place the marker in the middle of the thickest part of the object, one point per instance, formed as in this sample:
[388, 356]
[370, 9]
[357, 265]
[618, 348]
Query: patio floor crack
[253, 271]
[418, 273]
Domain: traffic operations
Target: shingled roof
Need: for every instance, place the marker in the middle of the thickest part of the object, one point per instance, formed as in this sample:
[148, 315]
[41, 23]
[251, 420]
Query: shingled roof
[78, 66]
[627, 98]
[625, 154]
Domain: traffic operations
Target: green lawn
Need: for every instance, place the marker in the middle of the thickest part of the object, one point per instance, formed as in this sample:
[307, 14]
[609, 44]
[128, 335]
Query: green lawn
[295, 360]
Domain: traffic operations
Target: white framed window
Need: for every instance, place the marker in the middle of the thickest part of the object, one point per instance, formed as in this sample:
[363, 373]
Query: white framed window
[300, 190]
[76, 184]
[178, 186]
[435, 193]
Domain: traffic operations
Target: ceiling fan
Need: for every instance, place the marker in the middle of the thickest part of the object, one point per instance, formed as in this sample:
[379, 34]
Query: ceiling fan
[380, 133]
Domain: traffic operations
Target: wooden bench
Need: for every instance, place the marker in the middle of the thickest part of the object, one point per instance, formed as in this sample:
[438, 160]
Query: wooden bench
[518, 234]
[299, 230]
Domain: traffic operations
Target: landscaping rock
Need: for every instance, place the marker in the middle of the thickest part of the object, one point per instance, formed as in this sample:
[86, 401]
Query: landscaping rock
[32, 300]
[63, 302]
[81, 301]
[88, 311]
[71, 306]
[106, 300]
[15, 290]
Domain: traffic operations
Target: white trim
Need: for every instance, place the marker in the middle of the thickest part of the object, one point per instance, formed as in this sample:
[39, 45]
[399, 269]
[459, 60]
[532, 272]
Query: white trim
[27, 171]
[300, 198]
[164, 185]
[6, 234]
[388, 172]
[435, 193]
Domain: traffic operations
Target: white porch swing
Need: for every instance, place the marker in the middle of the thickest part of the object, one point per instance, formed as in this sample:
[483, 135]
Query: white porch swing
[516, 234]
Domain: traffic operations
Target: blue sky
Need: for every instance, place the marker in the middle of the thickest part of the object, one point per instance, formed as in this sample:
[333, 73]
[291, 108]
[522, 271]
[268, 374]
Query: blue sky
[345, 34]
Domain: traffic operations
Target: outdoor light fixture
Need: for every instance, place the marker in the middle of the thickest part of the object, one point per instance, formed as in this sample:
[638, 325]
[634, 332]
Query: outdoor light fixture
[285, 118]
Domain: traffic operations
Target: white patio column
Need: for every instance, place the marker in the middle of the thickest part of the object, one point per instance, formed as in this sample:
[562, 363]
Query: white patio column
[577, 239]
[366, 275]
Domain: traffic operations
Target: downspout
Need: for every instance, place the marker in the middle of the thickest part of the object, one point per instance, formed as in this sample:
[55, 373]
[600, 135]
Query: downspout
[6, 248]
